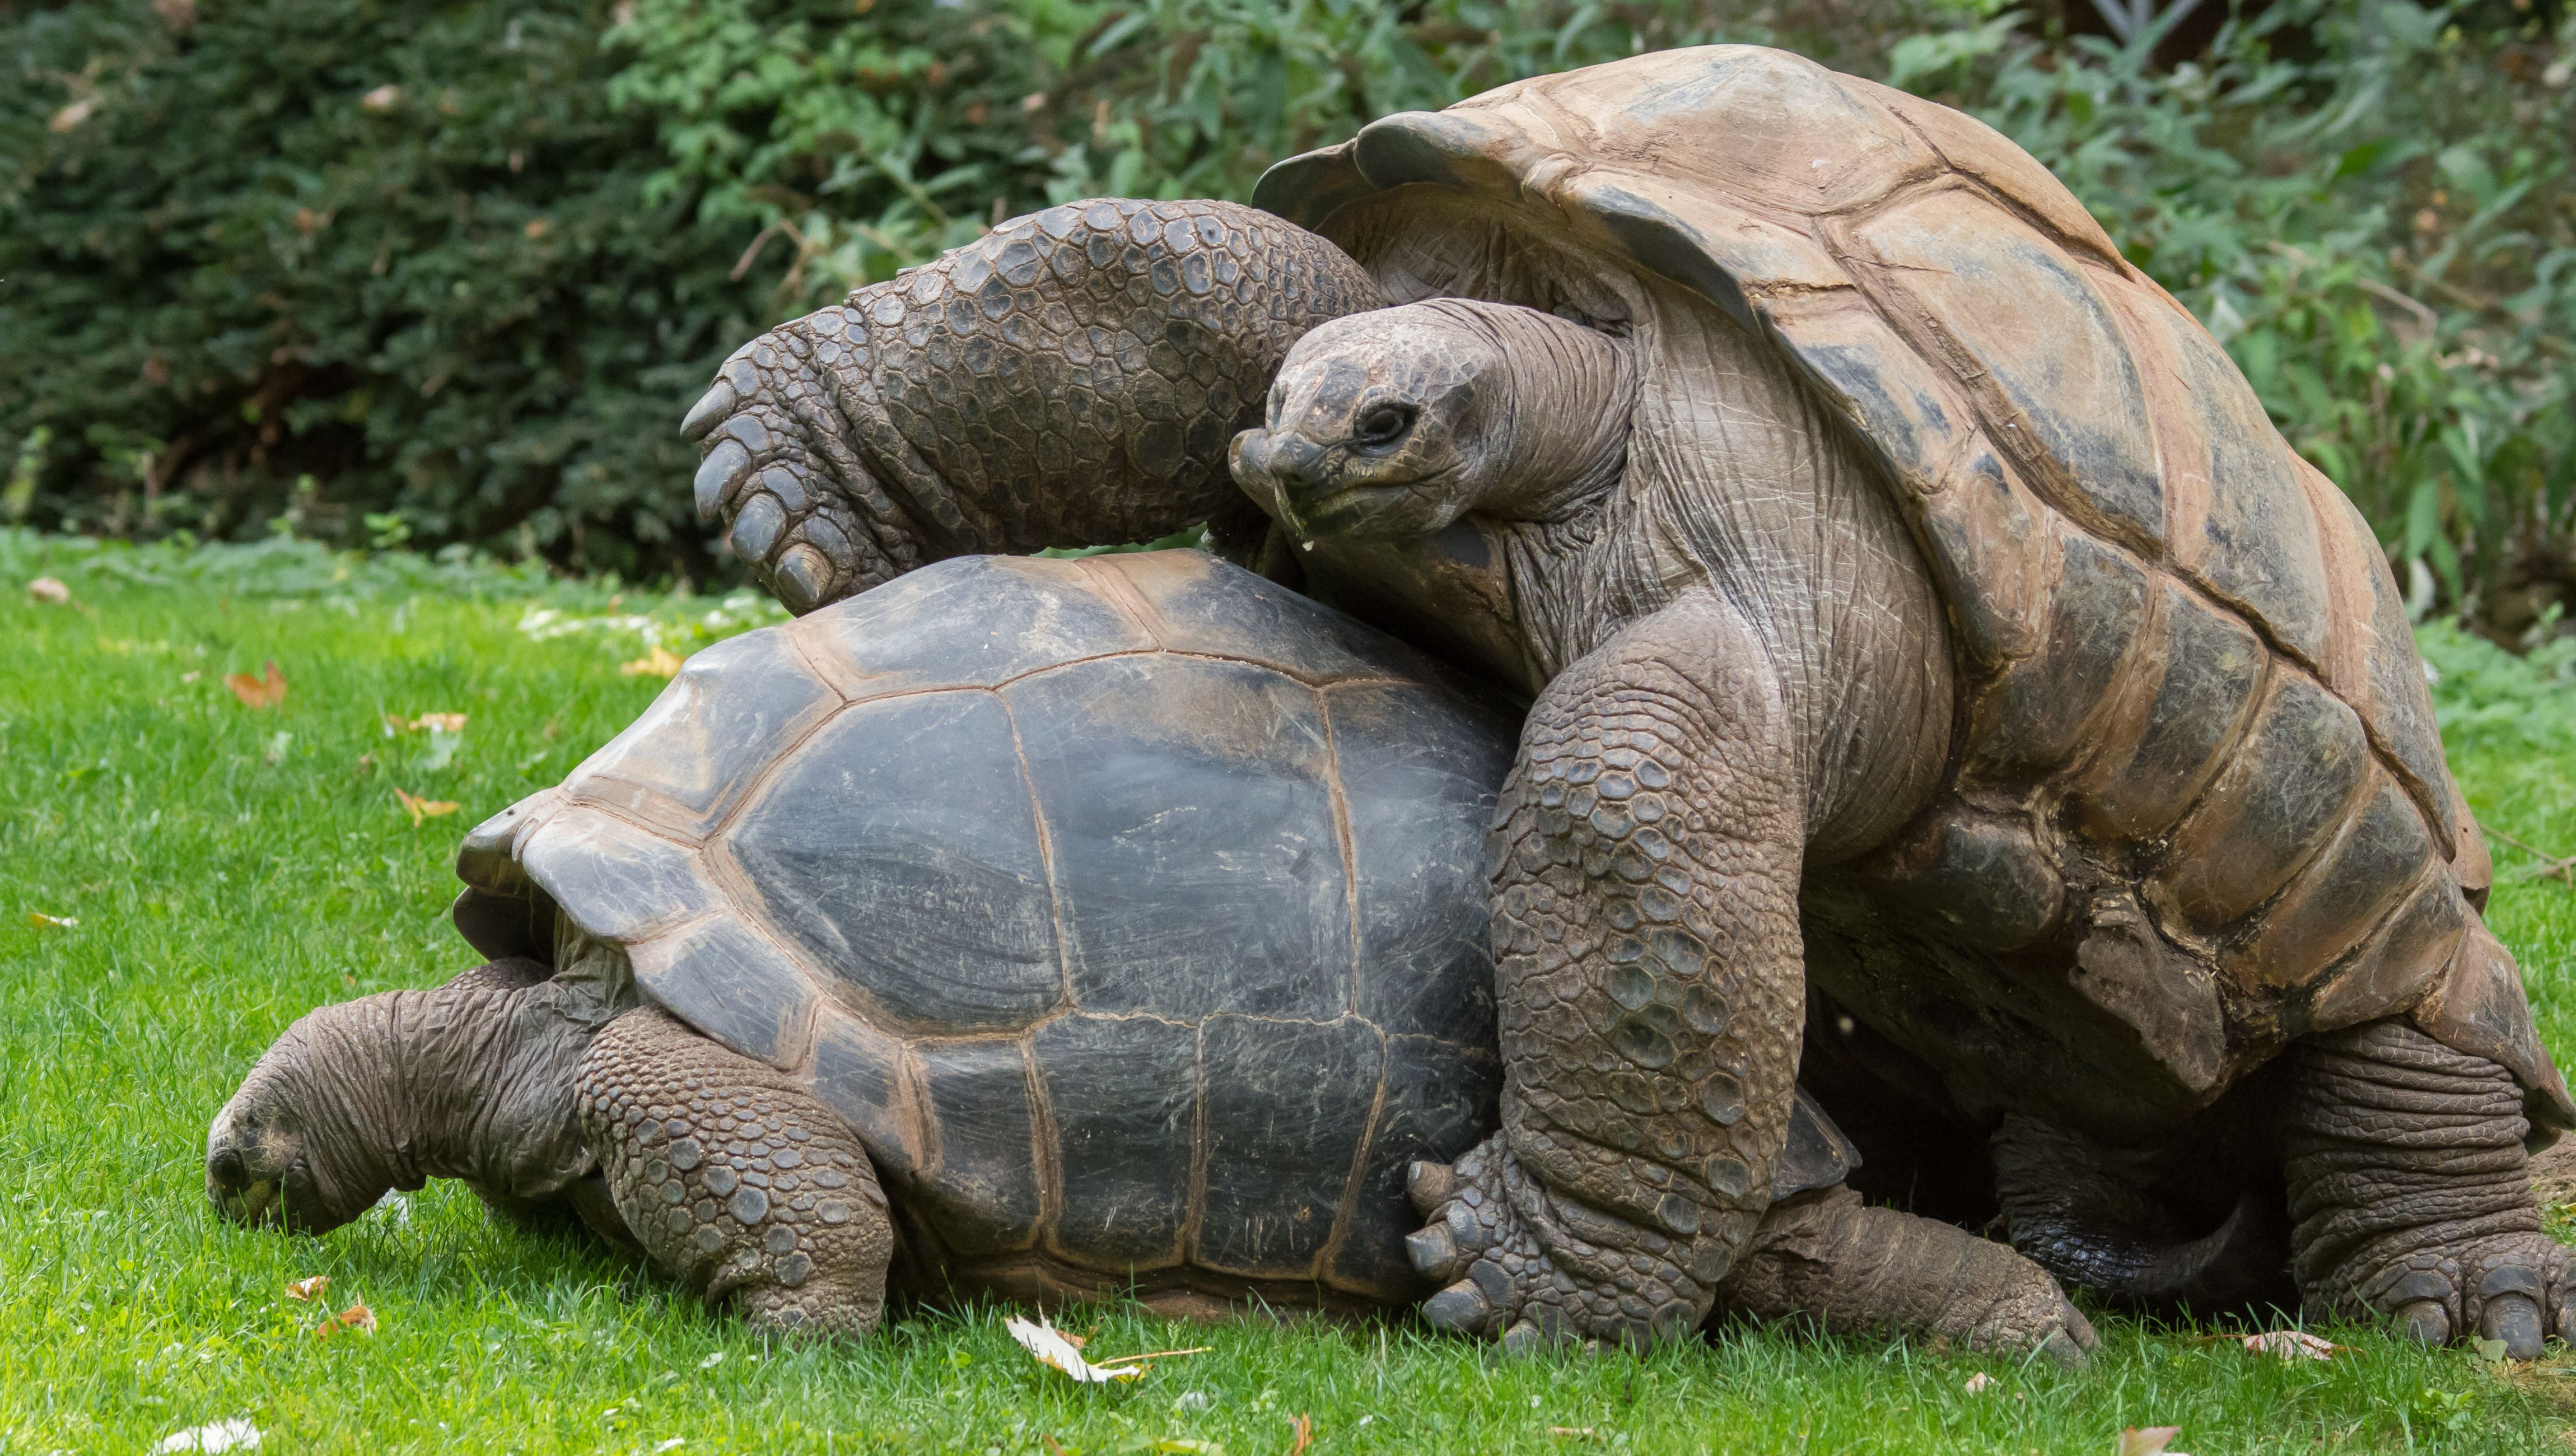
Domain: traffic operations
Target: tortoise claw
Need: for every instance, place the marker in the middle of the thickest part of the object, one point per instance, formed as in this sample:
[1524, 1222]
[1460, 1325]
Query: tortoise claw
[1461, 1308]
[724, 470]
[1434, 1253]
[2426, 1320]
[2514, 1319]
[711, 407]
[1430, 1185]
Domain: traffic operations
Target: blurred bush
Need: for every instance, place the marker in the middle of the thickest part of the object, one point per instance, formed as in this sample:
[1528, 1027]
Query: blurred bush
[461, 266]
[314, 262]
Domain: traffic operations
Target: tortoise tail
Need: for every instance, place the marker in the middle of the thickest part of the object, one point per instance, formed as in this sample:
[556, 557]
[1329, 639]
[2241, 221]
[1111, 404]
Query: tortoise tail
[1072, 378]
[2075, 1216]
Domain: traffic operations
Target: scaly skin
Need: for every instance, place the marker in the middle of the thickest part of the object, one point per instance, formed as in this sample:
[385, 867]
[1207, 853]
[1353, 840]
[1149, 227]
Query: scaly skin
[1646, 879]
[2407, 1179]
[735, 1178]
[1072, 378]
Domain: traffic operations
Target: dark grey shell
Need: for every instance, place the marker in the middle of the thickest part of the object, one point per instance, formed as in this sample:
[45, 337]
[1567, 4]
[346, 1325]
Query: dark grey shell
[2191, 683]
[1129, 908]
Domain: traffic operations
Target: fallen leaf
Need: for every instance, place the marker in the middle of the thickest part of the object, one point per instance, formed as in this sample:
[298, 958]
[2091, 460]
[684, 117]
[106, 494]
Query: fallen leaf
[1305, 1428]
[49, 591]
[42, 921]
[1050, 1347]
[356, 1317]
[309, 1288]
[2149, 1441]
[425, 723]
[265, 691]
[2290, 1345]
[237, 1434]
[1980, 1382]
[420, 809]
[366, 765]
[661, 661]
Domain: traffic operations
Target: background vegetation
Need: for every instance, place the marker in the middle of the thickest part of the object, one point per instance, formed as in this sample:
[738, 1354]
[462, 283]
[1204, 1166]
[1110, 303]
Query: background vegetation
[371, 270]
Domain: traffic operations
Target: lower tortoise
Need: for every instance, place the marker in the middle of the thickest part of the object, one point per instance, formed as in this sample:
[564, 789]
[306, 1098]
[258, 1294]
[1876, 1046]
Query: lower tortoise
[1049, 929]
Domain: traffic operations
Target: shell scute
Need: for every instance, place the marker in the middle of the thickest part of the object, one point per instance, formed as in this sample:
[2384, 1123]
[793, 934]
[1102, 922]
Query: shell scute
[981, 1194]
[2199, 674]
[1396, 756]
[2291, 781]
[898, 846]
[1218, 791]
[2039, 714]
[2016, 178]
[903, 637]
[1122, 1093]
[618, 882]
[859, 1072]
[2409, 948]
[1269, 1203]
[2255, 544]
[1993, 558]
[676, 766]
[2022, 326]
[730, 983]
[2340, 900]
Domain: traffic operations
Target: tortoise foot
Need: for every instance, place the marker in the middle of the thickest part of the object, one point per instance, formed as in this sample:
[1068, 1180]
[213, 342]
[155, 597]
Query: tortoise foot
[1494, 1239]
[735, 1179]
[2515, 1287]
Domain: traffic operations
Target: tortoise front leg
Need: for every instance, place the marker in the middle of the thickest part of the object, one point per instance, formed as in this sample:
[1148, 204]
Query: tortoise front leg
[735, 1178]
[1650, 973]
[2409, 1184]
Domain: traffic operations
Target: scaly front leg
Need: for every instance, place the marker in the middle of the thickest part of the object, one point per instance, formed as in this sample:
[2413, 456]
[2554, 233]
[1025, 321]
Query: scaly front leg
[1645, 879]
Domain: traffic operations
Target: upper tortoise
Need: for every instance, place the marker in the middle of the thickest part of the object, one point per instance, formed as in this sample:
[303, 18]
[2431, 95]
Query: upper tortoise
[1938, 661]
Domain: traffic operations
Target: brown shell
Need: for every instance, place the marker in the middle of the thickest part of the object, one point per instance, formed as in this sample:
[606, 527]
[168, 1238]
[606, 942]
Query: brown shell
[2184, 644]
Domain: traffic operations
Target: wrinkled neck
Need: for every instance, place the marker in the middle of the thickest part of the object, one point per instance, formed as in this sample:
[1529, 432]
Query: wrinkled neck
[1558, 414]
[478, 1085]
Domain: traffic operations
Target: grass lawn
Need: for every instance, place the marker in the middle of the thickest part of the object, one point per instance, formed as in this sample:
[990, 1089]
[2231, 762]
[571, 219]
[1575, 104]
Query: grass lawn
[231, 867]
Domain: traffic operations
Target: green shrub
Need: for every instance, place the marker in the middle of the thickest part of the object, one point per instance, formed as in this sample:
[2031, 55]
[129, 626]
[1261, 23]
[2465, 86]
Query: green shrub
[405, 255]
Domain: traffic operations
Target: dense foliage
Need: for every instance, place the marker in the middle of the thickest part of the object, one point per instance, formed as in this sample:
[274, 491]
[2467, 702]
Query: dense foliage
[459, 267]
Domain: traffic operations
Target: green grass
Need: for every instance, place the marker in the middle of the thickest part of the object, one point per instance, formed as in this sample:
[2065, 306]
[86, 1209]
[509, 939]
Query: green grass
[231, 868]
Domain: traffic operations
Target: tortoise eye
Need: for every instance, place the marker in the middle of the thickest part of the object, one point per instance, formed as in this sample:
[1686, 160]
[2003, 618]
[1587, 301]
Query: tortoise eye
[1383, 426]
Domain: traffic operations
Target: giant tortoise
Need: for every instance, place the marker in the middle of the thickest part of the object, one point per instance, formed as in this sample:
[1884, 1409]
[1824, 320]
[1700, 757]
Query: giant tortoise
[1044, 928]
[1939, 663]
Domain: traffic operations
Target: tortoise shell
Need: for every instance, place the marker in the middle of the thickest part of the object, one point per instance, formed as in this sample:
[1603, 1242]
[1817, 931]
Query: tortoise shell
[2192, 700]
[1129, 908]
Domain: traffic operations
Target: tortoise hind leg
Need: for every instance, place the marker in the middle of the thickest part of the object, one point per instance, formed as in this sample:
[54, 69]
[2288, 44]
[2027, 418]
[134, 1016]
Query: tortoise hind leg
[735, 1178]
[1828, 1257]
[2408, 1182]
[1645, 877]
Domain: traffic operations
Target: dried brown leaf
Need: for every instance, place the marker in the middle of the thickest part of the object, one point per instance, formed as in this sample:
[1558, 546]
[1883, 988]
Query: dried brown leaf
[265, 691]
[419, 808]
[357, 1319]
[310, 1288]
[1304, 1425]
[661, 661]
[2148, 1441]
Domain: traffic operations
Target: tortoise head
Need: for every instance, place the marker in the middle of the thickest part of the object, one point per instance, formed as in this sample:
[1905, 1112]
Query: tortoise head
[300, 1146]
[1396, 422]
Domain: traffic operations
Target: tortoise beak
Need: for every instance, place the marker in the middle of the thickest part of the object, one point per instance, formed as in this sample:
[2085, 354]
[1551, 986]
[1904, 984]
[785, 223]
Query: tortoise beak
[238, 1182]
